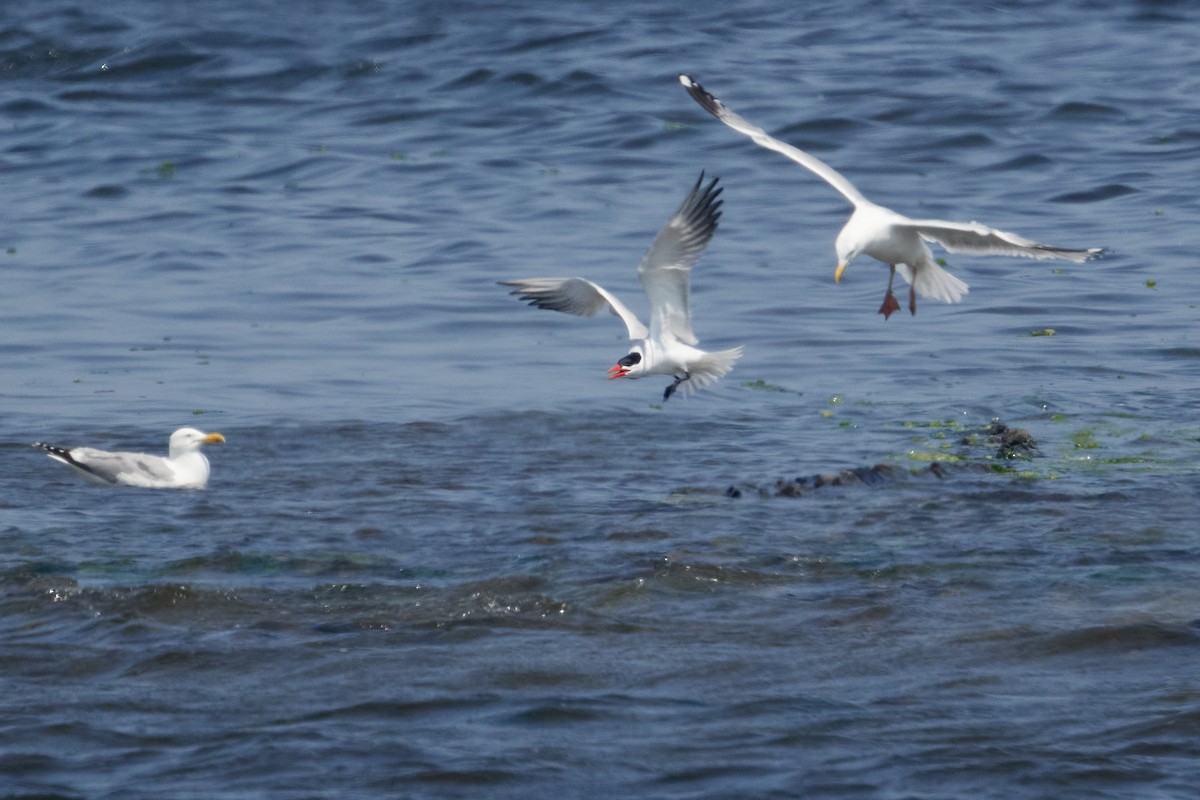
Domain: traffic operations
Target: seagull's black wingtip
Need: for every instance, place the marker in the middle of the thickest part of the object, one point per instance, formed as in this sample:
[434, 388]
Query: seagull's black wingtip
[706, 100]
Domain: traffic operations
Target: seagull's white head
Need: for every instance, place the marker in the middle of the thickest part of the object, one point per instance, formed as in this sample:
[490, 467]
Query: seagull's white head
[847, 247]
[630, 366]
[187, 440]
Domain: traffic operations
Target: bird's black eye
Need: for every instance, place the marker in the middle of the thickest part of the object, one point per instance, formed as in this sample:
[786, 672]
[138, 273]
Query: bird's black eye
[630, 360]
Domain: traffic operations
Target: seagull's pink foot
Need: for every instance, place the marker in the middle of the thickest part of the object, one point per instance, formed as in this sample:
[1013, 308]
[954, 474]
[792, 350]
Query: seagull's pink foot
[890, 305]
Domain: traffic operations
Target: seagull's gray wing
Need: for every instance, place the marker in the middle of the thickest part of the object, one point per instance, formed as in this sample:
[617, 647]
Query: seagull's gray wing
[973, 237]
[810, 162]
[101, 466]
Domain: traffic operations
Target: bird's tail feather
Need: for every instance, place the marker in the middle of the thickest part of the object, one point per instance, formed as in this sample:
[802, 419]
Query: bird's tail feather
[934, 282]
[710, 369]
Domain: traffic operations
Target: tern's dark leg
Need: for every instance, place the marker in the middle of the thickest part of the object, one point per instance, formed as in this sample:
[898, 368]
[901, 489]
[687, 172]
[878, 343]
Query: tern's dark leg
[912, 298]
[670, 390]
[889, 300]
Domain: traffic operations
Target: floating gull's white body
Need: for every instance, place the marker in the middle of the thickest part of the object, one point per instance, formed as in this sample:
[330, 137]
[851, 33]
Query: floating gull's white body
[185, 467]
[889, 237]
[668, 346]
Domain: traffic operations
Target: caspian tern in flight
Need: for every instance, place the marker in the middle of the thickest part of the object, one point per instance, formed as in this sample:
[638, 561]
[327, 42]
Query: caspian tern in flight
[185, 467]
[668, 347]
[893, 238]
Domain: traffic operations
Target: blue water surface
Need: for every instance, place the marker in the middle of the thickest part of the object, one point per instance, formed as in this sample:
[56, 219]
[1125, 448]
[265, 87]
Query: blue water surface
[441, 556]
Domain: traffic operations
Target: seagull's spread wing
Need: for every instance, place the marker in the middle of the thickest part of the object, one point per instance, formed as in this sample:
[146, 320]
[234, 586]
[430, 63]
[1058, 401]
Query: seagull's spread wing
[715, 107]
[972, 237]
[665, 267]
[575, 296]
[101, 466]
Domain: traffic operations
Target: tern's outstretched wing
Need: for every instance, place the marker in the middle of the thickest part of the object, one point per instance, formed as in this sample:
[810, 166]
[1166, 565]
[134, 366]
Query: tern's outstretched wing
[575, 296]
[810, 162]
[664, 270]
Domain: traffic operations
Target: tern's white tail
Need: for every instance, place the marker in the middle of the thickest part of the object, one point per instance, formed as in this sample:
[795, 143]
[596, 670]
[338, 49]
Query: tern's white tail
[710, 369]
[934, 282]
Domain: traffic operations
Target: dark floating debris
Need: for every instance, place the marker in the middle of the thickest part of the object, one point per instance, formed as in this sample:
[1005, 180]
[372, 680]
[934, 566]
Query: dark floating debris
[1014, 442]
[1010, 443]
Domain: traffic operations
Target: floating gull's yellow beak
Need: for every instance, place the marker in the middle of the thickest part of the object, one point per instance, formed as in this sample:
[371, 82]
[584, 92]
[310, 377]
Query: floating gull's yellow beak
[837, 273]
[214, 438]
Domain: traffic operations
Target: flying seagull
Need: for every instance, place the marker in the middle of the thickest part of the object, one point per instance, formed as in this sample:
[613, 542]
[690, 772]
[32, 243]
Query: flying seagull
[893, 238]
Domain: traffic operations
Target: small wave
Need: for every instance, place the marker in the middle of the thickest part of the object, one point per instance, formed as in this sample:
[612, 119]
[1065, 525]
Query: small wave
[1106, 639]
[1106, 192]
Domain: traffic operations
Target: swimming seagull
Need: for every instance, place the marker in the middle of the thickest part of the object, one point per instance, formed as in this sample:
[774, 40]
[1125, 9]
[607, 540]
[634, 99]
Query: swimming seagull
[892, 238]
[185, 467]
[668, 347]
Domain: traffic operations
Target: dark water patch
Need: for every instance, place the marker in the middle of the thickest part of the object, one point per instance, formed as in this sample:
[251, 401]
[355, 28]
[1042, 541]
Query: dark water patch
[1110, 640]
[389, 42]
[26, 106]
[1187, 353]
[828, 125]
[1098, 194]
[1175, 710]
[713, 775]
[467, 777]
[522, 78]
[554, 42]
[359, 68]
[1027, 161]
[293, 170]
[1147, 14]
[476, 77]
[578, 83]
[262, 89]
[50, 59]
[96, 95]
[1079, 110]
[107, 192]
[954, 114]
[533, 677]
[318, 566]
[238, 189]
[394, 711]
[963, 141]
[1188, 136]
[505, 163]
[50, 580]
[147, 67]
[565, 711]
[164, 602]
[178, 662]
